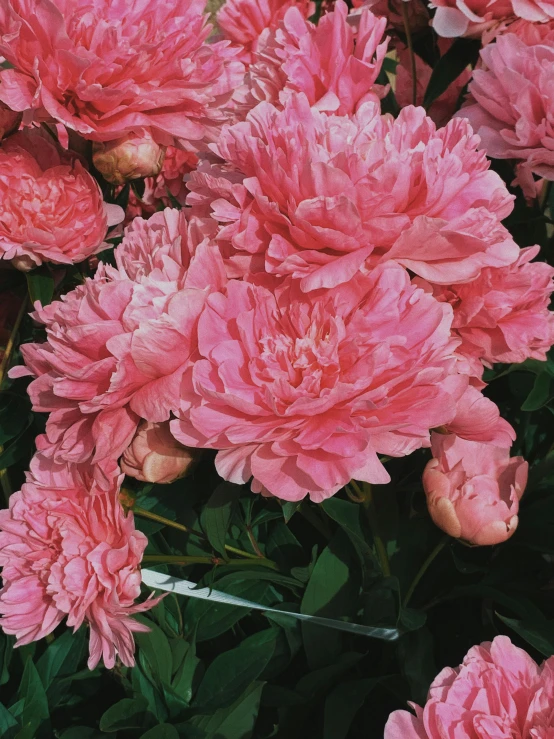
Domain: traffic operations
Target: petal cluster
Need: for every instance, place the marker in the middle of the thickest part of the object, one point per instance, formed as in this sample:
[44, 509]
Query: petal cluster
[319, 196]
[498, 691]
[51, 209]
[300, 393]
[512, 101]
[108, 68]
[118, 344]
[69, 553]
[334, 63]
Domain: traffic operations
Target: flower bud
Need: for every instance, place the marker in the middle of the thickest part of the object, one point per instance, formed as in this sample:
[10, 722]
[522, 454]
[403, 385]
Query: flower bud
[128, 158]
[23, 263]
[156, 456]
[473, 489]
[10, 120]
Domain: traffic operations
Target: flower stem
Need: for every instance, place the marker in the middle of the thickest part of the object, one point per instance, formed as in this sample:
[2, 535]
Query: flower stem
[260, 559]
[11, 341]
[423, 569]
[177, 559]
[409, 43]
[365, 496]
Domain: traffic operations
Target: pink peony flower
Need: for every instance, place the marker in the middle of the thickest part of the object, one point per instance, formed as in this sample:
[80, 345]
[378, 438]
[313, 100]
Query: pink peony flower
[473, 489]
[498, 691]
[335, 64]
[512, 101]
[111, 68]
[442, 109]
[478, 419]
[67, 553]
[469, 18]
[131, 157]
[244, 21]
[503, 316]
[51, 209]
[117, 345]
[155, 456]
[317, 196]
[301, 393]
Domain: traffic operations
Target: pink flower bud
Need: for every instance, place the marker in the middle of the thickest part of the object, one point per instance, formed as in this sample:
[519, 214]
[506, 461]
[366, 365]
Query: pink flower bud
[155, 456]
[9, 120]
[128, 158]
[473, 489]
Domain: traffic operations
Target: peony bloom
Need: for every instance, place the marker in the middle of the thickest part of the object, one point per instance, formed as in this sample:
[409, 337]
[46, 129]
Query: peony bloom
[317, 196]
[335, 64]
[512, 101]
[473, 489]
[478, 419]
[442, 109]
[503, 316]
[10, 120]
[51, 209]
[131, 157]
[117, 345]
[110, 68]
[155, 456]
[498, 691]
[244, 21]
[301, 393]
[67, 553]
[460, 18]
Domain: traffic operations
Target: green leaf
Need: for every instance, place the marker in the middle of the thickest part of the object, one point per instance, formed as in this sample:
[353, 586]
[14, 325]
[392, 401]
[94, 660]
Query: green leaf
[230, 673]
[415, 654]
[81, 732]
[540, 394]
[162, 731]
[450, 66]
[14, 416]
[235, 722]
[18, 449]
[129, 713]
[342, 704]
[331, 592]
[40, 284]
[348, 517]
[6, 649]
[183, 678]
[289, 509]
[35, 703]
[7, 722]
[539, 634]
[154, 648]
[216, 516]
[61, 657]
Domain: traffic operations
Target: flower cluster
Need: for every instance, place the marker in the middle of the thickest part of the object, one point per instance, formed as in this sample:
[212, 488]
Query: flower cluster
[304, 283]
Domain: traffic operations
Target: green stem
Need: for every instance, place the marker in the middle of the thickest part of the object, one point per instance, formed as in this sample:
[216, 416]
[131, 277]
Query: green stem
[366, 497]
[312, 518]
[423, 569]
[177, 559]
[181, 527]
[409, 43]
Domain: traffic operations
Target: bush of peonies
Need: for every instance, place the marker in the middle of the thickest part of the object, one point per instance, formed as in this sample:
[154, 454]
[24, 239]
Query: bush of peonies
[275, 320]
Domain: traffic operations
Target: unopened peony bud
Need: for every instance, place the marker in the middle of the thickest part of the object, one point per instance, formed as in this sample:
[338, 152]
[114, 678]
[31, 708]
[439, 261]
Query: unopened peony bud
[10, 120]
[473, 489]
[23, 263]
[155, 456]
[128, 158]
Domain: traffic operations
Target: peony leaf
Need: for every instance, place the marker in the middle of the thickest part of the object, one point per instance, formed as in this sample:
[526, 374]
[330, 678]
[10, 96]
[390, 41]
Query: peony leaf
[216, 516]
[450, 66]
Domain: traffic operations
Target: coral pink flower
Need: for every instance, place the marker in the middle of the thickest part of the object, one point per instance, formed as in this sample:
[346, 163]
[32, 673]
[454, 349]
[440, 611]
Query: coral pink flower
[503, 316]
[498, 691]
[335, 64]
[244, 21]
[155, 456]
[301, 393]
[473, 489]
[469, 18]
[512, 102]
[109, 68]
[478, 419]
[118, 344]
[131, 157]
[441, 109]
[315, 196]
[68, 553]
[51, 209]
